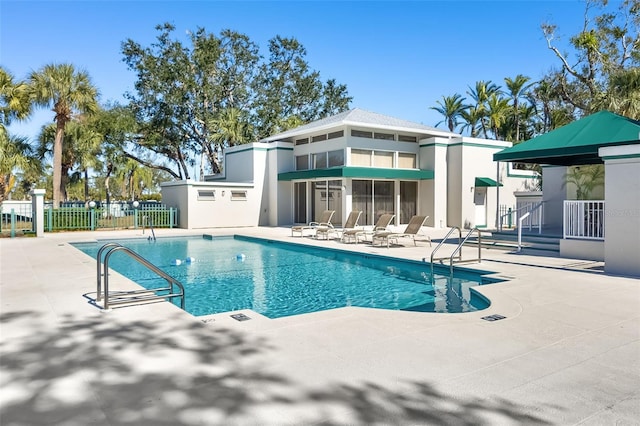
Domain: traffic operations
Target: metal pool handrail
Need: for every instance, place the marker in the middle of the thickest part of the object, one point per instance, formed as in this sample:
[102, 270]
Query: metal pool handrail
[135, 295]
[441, 243]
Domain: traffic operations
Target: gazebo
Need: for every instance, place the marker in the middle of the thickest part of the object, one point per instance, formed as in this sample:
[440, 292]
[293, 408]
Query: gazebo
[606, 229]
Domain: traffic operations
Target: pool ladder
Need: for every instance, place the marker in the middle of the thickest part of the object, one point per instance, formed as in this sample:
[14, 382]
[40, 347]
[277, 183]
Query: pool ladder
[456, 256]
[117, 298]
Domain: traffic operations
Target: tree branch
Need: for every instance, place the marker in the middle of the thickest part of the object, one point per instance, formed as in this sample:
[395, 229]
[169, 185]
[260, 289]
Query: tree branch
[151, 165]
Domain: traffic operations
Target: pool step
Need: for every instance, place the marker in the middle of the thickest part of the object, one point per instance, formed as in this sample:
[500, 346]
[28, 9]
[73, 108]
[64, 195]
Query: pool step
[509, 241]
[125, 298]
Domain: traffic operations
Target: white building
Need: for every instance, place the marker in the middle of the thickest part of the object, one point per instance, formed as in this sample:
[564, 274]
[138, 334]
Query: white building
[356, 160]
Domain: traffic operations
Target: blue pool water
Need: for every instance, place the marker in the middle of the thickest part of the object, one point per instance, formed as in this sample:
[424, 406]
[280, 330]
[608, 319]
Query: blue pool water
[280, 279]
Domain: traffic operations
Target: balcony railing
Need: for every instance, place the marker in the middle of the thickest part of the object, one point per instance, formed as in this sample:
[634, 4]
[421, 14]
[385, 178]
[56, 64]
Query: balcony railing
[584, 219]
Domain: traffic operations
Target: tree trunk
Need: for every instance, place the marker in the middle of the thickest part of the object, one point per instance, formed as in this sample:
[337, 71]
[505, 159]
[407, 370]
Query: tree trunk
[86, 185]
[57, 165]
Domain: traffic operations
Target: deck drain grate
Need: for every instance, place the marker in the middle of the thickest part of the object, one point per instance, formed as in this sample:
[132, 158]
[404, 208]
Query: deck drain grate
[494, 317]
[240, 317]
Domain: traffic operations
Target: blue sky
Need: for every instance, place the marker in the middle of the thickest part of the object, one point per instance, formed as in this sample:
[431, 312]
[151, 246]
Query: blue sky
[396, 58]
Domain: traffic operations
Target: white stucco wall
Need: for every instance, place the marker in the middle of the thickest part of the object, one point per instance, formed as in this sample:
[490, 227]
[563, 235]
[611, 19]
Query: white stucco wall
[582, 249]
[622, 209]
[554, 192]
[433, 192]
[221, 211]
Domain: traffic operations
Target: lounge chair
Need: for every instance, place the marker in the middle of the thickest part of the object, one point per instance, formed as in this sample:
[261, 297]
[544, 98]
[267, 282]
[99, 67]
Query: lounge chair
[351, 223]
[413, 228]
[383, 221]
[325, 220]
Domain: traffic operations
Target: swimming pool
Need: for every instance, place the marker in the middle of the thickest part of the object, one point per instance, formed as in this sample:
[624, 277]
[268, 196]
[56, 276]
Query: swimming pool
[278, 279]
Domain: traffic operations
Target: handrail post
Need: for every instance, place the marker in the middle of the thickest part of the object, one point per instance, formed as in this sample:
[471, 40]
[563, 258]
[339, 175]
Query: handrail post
[520, 220]
[99, 272]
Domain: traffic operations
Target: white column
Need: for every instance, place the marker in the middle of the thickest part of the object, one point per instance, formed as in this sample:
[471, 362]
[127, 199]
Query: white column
[622, 209]
[37, 211]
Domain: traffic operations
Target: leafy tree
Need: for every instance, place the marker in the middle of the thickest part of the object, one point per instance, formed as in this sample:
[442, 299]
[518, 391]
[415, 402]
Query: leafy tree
[451, 108]
[161, 106]
[196, 100]
[335, 98]
[286, 88]
[606, 54]
[68, 92]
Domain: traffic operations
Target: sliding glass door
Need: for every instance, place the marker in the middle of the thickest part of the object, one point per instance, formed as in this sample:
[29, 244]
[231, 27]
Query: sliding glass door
[374, 198]
[327, 195]
[300, 202]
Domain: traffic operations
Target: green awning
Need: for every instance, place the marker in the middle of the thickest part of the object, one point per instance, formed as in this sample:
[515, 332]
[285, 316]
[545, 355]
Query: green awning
[485, 182]
[576, 143]
[357, 172]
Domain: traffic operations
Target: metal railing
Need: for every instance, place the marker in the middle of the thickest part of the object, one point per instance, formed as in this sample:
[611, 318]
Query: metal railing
[133, 296]
[458, 250]
[527, 215]
[584, 219]
[16, 216]
[107, 217]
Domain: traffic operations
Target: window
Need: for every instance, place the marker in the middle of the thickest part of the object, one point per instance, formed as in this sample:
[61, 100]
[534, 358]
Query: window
[407, 138]
[361, 134]
[406, 160]
[385, 136]
[383, 159]
[361, 157]
[302, 141]
[334, 135]
[302, 162]
[336, 158]
[238, 195]
[319, 138]
[206, 195]
[319, 160]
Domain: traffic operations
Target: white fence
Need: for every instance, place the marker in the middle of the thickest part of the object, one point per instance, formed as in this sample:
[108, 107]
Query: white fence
[584, 219]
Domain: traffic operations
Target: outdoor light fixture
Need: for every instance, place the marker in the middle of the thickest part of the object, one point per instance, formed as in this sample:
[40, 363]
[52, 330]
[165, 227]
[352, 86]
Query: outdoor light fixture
[92, 204]
[136, 204]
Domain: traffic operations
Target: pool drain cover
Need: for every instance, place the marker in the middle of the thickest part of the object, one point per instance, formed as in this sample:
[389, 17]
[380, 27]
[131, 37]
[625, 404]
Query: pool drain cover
[240, 317]
[494, 317]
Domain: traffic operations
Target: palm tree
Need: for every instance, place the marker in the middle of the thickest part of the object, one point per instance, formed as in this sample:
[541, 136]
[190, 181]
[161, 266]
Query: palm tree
[480, 94]
[67, 92]
[16, 153]
[472, 117]
[497, 111]
[517, 89]
[623, 94]
[228, 128]
[86, 143]
[451, 109]
[134, 177]
[14, 99]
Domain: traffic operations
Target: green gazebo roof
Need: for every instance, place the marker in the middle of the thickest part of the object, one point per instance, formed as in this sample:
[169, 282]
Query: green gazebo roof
[576, 143]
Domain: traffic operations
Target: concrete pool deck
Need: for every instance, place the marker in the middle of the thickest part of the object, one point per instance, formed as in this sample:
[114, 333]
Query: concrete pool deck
[568, 351]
